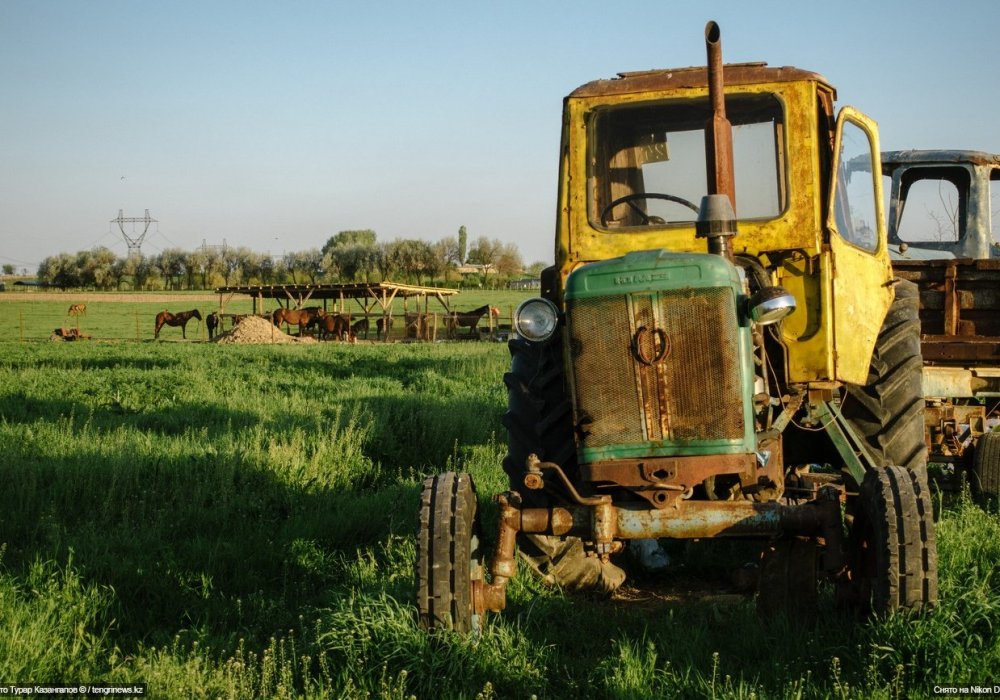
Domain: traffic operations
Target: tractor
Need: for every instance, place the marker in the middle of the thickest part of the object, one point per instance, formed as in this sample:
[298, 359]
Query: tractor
[721, 350]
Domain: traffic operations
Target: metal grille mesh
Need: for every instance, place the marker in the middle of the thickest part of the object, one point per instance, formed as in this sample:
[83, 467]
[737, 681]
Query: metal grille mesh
[692, 394]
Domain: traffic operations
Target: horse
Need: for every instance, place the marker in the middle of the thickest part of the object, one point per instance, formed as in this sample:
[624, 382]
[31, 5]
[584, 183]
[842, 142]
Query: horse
[384, 326]
[303, 318]
[77, 310]
[212, 321]
[360, 325]
[337, 325]
[181, 319]
[468, 319]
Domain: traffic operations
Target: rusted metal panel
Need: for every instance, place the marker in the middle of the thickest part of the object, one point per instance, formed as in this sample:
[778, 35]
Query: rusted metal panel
[673, 79]
[894, 159]
[694, 393]
[959, 308]
[945, 348]
[663, 480]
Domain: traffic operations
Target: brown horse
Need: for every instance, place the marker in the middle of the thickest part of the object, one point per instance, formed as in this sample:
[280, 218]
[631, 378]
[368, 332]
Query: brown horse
[212, 321]
[181, 319]
[384, 327]
[360, 325]
[468, 319]
[77, 310]
[303, 318]
[337, 325]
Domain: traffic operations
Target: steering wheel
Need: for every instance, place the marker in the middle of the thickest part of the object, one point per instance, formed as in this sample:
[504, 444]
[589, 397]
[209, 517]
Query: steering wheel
[646, 218]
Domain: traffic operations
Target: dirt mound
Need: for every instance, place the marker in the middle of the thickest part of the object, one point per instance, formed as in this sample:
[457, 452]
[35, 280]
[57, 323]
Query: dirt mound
[254, 329]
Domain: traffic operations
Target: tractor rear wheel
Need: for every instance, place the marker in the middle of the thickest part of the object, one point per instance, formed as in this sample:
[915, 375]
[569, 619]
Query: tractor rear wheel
[986, 465]
[892, 544]
[449, 559]
[888, 411]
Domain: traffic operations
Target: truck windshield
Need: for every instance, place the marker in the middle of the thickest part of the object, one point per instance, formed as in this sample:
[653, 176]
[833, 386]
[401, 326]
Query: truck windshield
[647, 162]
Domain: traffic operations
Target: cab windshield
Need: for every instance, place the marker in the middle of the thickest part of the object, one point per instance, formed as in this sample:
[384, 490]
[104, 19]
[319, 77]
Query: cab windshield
[647, 162]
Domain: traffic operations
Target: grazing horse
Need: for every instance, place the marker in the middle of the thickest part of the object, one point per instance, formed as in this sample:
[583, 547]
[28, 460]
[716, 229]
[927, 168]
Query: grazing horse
[384, 326]
[360, 325]
[468, 319]
[212, 321]
[77, 310]
[337, 325]
[181, 319]
[303, 318]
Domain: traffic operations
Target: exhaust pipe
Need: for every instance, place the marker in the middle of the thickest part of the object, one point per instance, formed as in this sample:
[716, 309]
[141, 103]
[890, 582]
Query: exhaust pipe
[718, 131]
[717, 217]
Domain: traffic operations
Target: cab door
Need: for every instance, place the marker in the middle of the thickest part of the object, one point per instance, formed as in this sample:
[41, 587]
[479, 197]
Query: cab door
[860, 270]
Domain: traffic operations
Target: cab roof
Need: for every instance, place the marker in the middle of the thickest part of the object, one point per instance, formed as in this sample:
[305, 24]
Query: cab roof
[894, 159]
[694, 77]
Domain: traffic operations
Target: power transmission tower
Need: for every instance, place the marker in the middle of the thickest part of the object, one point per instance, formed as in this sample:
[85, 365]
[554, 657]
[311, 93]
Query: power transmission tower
[133, 242]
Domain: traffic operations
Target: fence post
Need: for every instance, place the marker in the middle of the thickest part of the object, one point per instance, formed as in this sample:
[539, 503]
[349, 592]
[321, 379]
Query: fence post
[137, 325]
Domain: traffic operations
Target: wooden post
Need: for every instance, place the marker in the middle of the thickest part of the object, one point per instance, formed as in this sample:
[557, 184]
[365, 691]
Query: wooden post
[137, 337]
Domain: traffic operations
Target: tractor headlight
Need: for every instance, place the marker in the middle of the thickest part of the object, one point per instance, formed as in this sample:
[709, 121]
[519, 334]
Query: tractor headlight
[536, 319]
[770, 305]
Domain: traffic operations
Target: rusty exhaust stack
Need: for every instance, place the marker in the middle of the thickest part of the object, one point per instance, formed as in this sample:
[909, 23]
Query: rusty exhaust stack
[717, 218]
[718, 131]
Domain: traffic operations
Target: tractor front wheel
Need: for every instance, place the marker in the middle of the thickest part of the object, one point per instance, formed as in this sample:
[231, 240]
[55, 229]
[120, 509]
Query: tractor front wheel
[893, 551]
[449, 558]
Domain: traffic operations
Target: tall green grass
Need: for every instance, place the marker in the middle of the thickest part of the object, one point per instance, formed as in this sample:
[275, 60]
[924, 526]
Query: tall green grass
[235, 521]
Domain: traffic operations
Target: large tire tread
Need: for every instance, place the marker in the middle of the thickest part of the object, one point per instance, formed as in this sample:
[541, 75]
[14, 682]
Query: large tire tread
[887, 411]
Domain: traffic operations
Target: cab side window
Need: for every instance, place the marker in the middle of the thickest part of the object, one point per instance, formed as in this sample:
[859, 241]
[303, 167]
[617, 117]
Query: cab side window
[855, 205]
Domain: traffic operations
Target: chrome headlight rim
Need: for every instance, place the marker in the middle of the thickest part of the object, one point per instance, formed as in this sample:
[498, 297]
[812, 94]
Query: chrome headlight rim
[770, 305]
[536, 319]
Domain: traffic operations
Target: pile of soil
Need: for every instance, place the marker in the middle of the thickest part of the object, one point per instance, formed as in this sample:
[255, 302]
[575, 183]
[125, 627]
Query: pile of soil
[255, 330]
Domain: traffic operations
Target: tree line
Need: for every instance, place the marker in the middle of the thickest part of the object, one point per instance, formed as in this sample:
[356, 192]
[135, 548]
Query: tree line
[348, 256]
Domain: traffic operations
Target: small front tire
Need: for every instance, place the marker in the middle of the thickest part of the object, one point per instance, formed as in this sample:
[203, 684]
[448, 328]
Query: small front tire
[893, 547]
[449, 558]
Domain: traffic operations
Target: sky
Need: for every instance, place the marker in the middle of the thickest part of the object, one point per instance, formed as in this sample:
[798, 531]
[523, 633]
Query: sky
[274, 125]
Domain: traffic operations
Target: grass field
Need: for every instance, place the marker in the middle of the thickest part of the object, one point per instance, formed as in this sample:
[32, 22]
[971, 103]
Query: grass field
[239, 521]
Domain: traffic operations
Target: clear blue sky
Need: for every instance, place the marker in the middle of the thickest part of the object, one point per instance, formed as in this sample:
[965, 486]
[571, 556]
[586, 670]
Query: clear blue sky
[273, 125]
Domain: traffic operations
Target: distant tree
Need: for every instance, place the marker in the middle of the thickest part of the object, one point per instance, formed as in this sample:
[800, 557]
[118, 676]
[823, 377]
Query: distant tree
[535, 268]
[409, 256]
[485, 252]
[101, 272]
[8, 269]
[312, 264]
[351, 261]
[139, 268]
[463, 243]
[172, 266]
[266, 269]
[508, 260]
[305, 267]
[446, 255]
[384, 260]
[359, 237]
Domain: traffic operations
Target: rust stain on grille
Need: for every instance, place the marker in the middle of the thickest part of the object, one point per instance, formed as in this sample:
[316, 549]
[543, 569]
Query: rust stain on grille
[692, 393]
